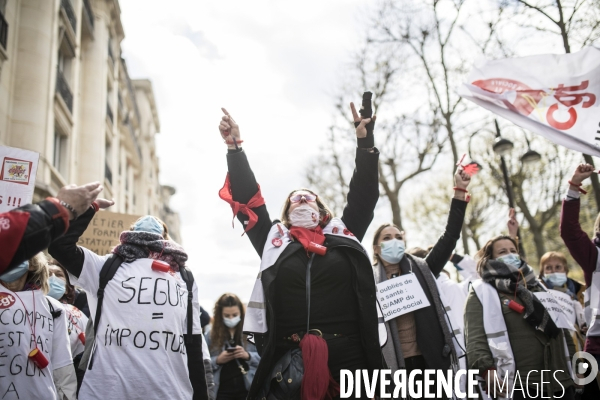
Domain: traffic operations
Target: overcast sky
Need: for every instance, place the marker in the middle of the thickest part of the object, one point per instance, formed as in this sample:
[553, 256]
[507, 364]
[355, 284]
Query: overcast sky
[273, 65]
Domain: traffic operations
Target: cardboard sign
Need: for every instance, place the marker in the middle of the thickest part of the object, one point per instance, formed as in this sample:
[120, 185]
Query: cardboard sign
[400, 296]
[554, 308]
[17, 177]
[102, 235]
[555, 96]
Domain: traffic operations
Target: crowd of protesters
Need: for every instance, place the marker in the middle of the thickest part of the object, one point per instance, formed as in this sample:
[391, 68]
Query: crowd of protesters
[128, 325]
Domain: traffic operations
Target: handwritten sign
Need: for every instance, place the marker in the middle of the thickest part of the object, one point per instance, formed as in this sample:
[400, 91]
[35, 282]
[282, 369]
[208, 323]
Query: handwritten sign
[554, 308]
[400, 296]
[17, 177]
[102, 235]
[566, 303]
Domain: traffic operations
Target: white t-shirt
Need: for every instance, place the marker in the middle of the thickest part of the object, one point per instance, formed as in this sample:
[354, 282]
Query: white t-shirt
[140, 351]
[76, 323]
[19, 377]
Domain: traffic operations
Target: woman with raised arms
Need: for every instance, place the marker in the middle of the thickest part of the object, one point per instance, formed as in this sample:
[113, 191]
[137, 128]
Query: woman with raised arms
[315, 290]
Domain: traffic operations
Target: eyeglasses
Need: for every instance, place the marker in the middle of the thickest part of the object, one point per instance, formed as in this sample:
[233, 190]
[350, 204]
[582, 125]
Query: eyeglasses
[298, 197]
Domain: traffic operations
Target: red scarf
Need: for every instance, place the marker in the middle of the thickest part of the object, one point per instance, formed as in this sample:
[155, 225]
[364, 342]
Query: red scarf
[311, 239]
[256, 201]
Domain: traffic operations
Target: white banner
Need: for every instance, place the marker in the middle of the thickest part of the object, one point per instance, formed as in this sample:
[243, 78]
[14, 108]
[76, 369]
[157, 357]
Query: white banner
[555, 96]
[566, 303]
[554, 308]
[17, 177]
[401, 295]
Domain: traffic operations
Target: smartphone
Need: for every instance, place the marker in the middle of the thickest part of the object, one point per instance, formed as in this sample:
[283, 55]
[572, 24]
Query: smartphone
[230, 349]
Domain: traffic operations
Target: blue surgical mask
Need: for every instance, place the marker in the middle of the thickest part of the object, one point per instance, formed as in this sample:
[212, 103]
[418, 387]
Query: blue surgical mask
[232, 322]
[511, 259]
[556, 278]
[15, 273]
[57, 287]
[148, 224]
[392, 250]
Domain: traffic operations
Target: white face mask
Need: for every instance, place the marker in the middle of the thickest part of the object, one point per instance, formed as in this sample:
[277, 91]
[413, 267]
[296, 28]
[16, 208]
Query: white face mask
[232, 322]
[304, 216]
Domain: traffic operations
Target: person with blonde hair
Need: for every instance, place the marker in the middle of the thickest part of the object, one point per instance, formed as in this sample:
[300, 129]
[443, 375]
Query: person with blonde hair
[509, 333]
[33, 337]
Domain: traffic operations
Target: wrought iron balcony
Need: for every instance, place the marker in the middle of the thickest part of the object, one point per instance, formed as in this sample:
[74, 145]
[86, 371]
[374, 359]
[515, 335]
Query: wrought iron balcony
[3, 31]
[107, 172]
[62, 87]
[109, 112]
[89, 12]
[68, 7]
[110, 54]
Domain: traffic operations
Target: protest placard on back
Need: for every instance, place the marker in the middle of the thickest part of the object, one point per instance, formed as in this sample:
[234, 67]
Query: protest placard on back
[17, 177]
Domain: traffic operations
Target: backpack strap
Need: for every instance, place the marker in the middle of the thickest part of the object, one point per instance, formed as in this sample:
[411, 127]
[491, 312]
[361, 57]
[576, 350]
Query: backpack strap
[188, 277]
[108, 271]
[55, 314]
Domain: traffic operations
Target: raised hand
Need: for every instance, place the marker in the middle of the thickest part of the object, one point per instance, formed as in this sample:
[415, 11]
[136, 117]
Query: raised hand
[582, 172]
[461, 178]
[512, 224]
[80, 198]
[229, 130]
[361, 130]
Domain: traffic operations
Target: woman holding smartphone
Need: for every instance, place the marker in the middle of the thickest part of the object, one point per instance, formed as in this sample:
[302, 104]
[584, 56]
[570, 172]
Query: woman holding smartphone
[233, 359]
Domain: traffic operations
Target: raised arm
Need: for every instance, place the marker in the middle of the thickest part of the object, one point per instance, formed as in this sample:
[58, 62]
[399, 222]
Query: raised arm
[242, 188]
[582, 249]
[442, 250]
[65, 249]
[27, 230]
[363, 191]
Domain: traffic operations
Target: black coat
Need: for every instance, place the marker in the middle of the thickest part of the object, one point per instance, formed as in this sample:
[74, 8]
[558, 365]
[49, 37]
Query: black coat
[358, 214]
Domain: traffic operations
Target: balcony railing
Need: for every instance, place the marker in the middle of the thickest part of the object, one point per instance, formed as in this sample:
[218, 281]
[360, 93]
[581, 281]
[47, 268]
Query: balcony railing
[109, 112]
[68, 7]
[3, 31]
[62, 87]
[89, 12]
[135, 141]
[107, 172]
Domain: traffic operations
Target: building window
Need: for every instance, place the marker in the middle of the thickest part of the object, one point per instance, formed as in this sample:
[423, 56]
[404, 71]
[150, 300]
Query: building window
[61, 157]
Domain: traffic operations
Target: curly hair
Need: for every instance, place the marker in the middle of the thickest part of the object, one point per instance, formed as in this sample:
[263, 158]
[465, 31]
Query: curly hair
[219, 333]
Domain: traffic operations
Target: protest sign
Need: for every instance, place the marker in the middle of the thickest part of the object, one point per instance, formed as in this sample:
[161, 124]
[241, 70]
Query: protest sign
[17, 177]
[554, 308]
[103, 232]
[556, 96]
[401, 295]
[566, 303]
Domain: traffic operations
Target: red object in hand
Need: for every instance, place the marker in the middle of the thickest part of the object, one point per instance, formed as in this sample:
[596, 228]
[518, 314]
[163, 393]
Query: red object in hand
[81, 337]
[160, 266]
[513, 305]
[317, 248]
[38, 358]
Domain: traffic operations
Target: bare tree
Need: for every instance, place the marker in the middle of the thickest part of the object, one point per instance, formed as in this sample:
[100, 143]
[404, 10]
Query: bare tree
[409, 145]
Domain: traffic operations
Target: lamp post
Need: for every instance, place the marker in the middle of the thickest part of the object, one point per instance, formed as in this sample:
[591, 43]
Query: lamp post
[502, 147]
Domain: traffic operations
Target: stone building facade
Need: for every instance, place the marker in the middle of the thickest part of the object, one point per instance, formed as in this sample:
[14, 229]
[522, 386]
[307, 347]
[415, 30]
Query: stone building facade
[65, 93]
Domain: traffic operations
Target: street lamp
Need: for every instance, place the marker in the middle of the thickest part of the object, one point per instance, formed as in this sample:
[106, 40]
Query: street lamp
[502, 147]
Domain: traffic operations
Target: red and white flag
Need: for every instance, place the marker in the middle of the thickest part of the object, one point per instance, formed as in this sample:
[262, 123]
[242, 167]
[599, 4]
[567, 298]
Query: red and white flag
[556, 96]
